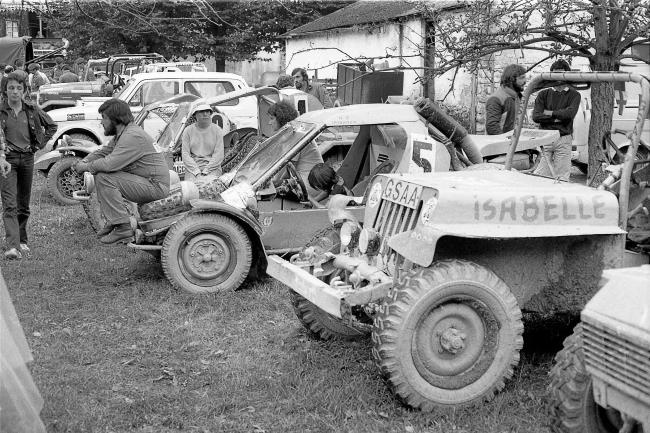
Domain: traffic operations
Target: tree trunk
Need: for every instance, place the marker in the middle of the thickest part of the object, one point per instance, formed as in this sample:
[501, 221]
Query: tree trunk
[602, 107]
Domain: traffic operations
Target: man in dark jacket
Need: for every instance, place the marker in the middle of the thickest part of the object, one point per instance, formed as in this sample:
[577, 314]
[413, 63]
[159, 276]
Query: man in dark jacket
[501, 106]
[128, 167]
[25, 129]
[555, 109]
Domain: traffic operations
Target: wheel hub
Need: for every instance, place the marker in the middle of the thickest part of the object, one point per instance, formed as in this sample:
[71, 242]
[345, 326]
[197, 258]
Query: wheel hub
[70, 182]
[206, 256]
[452, 340]
[449, 345]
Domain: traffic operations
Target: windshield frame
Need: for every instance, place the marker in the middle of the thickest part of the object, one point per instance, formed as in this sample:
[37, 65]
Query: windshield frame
[257, 177]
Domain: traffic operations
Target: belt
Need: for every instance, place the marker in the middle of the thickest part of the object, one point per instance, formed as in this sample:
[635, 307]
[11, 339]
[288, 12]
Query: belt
[15, 149]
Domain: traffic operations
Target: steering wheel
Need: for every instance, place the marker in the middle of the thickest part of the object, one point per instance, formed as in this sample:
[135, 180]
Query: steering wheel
[295, 183]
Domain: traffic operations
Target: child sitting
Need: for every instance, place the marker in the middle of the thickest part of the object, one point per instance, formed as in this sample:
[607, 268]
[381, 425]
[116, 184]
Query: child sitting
[323, 178]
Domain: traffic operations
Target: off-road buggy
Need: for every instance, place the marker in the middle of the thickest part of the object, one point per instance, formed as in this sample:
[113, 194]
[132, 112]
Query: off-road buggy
[443, 264]
[600, 382]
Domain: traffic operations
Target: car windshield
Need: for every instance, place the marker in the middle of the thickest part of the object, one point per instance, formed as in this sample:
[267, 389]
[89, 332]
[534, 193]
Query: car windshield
[155, 121]
[174, 124]
[272, 149]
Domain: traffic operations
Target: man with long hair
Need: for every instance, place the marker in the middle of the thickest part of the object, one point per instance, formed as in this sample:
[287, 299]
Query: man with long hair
[25, 129]
[128, 167]
[501, 106]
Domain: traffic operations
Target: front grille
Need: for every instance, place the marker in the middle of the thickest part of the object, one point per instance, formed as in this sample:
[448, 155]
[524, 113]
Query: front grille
[393, 218]
[617, 358]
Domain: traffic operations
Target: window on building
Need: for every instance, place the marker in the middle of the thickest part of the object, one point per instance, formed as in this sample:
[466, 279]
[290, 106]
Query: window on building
[11, 28]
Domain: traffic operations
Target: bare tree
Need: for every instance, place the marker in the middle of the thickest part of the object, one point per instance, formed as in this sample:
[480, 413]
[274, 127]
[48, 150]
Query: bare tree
[602, 31]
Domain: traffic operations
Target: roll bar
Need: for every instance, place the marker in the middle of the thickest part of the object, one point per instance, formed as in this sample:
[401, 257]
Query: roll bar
[550, 79]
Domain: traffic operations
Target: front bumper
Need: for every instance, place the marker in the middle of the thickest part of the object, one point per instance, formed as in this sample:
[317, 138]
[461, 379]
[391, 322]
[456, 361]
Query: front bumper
[335, 300]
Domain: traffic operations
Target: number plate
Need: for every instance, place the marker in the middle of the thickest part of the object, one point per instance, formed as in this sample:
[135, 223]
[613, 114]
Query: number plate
[404, 193]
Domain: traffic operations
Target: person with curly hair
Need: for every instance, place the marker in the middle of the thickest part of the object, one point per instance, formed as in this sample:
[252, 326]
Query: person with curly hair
[280, 114]
[501, 106]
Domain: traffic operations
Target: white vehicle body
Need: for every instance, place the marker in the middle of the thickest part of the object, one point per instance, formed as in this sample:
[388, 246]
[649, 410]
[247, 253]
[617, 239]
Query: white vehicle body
[143, 89]
[624, 116]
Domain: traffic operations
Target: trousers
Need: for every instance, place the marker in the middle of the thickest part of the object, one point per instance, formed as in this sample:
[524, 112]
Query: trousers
[115, 187]
[16, 191]
[557, 156]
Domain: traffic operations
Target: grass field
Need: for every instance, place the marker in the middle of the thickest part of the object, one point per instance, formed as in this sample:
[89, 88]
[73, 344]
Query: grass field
[117, 349]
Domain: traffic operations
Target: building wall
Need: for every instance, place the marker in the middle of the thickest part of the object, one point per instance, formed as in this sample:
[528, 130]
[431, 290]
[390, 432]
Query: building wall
[320, 53]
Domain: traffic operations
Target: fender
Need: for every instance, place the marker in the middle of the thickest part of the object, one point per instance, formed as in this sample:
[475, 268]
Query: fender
[77, 127]
[248, 223]
[45, 161]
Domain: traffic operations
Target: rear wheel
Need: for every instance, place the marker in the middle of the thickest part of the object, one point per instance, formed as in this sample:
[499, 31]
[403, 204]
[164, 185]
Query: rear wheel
[321, 324]
[62, 180]
[571, 398]
[96, 217]
[206, 253]
[449, 336]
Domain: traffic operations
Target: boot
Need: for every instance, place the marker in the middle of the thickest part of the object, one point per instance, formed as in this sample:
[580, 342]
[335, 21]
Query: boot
[105, 230]
[121, 233]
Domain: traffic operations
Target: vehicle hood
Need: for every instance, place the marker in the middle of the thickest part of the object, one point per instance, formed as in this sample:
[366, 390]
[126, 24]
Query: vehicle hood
[502, 203]
[623, 303]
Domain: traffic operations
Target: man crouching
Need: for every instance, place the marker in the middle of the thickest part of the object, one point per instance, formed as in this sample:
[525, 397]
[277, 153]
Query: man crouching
[128, 167]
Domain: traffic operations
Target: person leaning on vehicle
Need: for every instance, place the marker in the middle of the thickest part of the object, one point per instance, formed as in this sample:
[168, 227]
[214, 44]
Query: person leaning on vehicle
[501, 106]
[128, 167]
[202, 149]
[301, 81]
[25, 129]
[555, 109]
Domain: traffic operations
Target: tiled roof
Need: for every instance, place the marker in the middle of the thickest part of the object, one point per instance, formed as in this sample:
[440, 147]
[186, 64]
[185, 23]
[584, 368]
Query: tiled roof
[365, 12]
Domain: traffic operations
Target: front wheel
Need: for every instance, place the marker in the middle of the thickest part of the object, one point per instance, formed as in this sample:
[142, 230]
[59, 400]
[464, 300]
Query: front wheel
[571, 397]
[449, 336]
[62, 180]
[206, 253]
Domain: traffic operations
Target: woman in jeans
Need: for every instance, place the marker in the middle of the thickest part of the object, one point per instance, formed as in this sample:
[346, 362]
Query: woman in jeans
[26, 128]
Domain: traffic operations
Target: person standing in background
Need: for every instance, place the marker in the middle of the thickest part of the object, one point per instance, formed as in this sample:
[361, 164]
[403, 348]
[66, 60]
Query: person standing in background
[26, 128]
[555, 109]
[501, 106]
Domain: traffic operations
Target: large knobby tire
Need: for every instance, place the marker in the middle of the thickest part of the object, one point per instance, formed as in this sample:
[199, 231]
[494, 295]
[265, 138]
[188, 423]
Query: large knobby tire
[82, 136]
[570, 394]
[62, 180]
[206, 253]
[96, 217]
[321, 324]
[449, 336]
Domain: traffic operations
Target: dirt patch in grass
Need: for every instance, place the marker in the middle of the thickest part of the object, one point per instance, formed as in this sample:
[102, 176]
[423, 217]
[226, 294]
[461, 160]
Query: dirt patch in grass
[117, 349]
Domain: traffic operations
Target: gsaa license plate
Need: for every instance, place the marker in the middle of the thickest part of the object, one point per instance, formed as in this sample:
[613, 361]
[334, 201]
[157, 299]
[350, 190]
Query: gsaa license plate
[404, 193]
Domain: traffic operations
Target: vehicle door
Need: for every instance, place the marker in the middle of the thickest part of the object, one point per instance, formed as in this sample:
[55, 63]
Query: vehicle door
[241, 111]
[149, 91]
